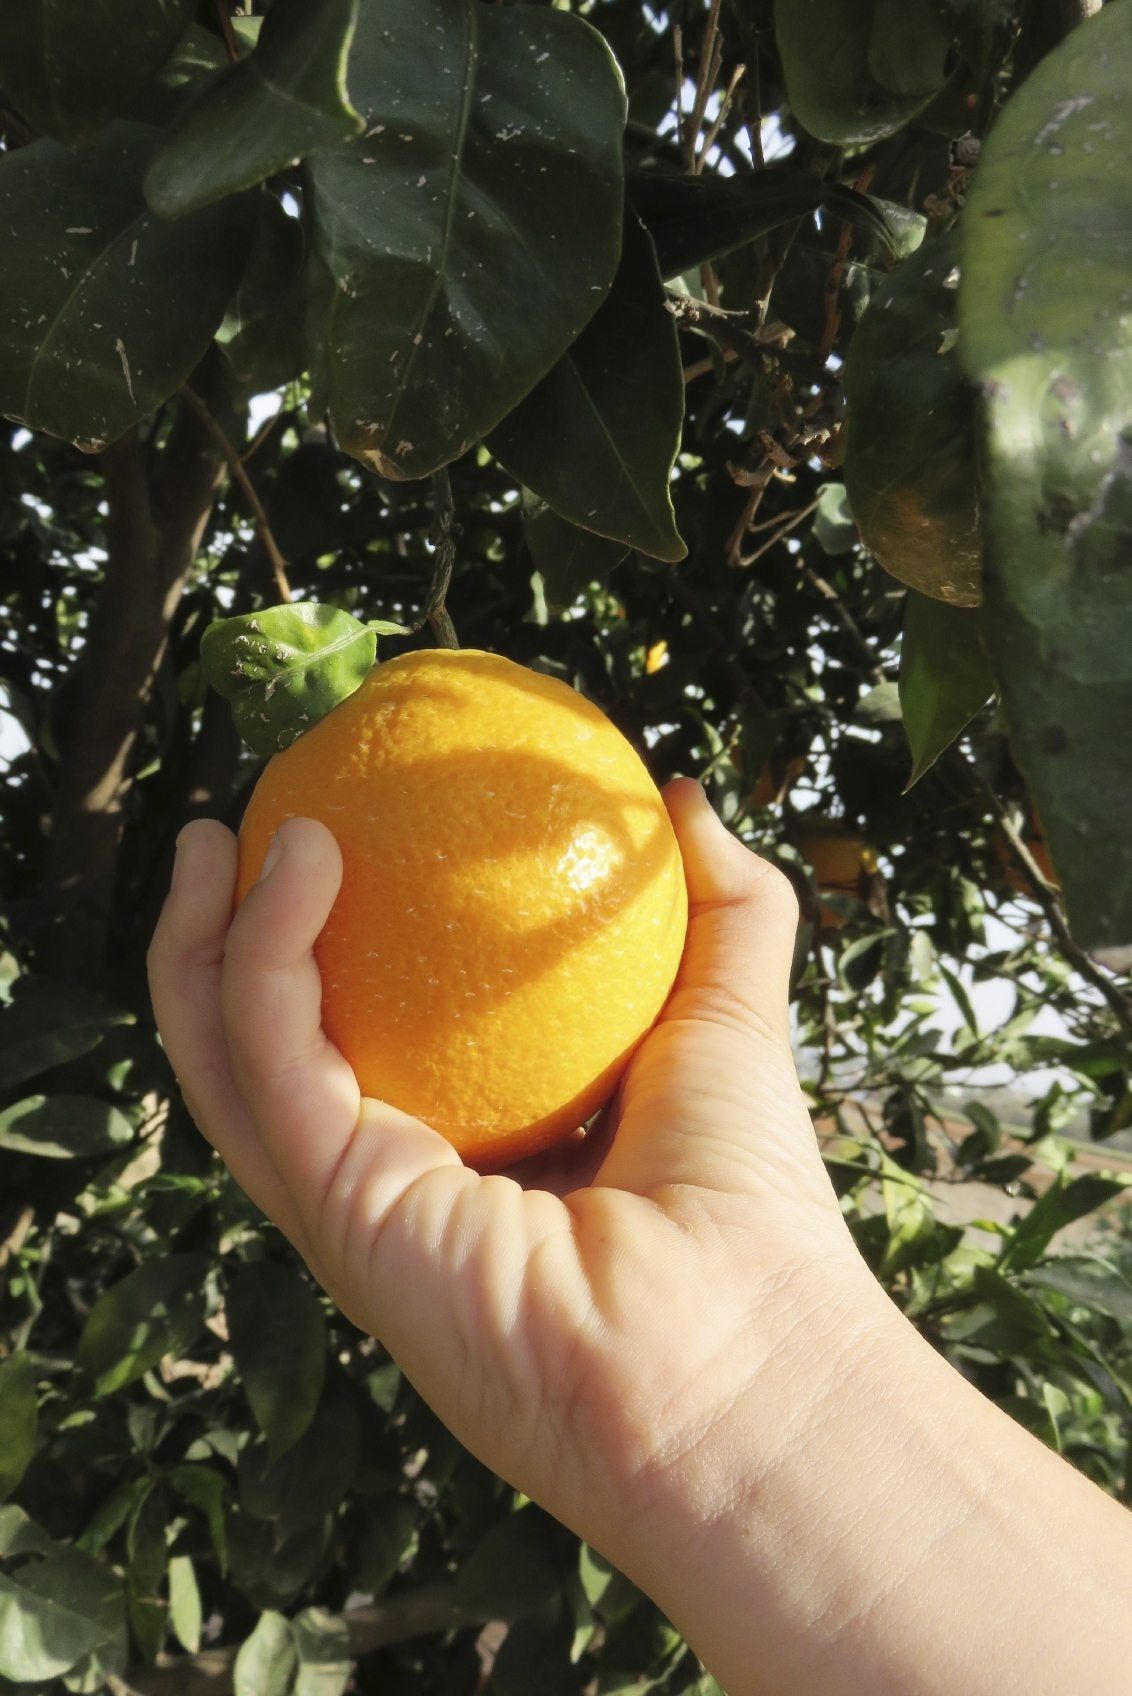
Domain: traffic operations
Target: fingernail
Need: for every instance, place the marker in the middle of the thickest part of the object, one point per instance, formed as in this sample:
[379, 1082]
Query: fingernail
[272, 858]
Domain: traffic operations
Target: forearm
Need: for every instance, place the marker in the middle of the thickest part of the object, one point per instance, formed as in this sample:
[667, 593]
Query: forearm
[900, 1537]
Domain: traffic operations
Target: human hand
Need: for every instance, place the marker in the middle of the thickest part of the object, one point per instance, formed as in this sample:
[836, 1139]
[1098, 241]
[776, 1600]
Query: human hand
[681, 1355]
[575, 1342]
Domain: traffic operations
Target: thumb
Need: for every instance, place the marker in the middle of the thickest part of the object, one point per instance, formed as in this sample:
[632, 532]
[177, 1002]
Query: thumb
[712, 1098]
[742, 924]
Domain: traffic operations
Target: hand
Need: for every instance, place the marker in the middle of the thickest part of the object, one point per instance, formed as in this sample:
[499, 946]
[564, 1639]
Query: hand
[578, 1343]
[683, 1358]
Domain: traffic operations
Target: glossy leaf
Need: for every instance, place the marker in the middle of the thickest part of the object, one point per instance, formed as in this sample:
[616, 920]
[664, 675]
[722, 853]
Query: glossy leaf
[63, 1127]
[696, 219]
[46, 1025]
[19, 1419]
[56, 1611]
[945, 676]
[266, 1663]
[288, 98]
[70, 65]
[262, 332]
[278, 1337]
[910, 454]
[1062, 1204]
[568, 558]
[185, 1612]
[285, 668]
[857, 70]
[1046, 333]
[156, 1309]
[598, 437]
[1089, 1283]
[468, 237]
[107, 309]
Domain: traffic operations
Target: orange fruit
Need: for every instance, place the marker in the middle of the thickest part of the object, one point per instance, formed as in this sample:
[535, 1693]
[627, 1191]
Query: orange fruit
[838, 858]
[513, 907]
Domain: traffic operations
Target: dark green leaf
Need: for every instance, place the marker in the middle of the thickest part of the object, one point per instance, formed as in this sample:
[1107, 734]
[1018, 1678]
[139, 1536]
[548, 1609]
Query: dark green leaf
[857, 70]
[598, 437]
[266, 1663]
[469, 236]
[63, 1127]
[184, 1603]
[272, 1570]
[696, 219]
[46, 1025]
[20, 1535]
[512, 1572]
[945, 676]
[1047, 336]
[147, 1560]
[285, 668]
[278, 1336]
[310, 1480]
[1064, 1202]
[569, 558]
[205, 1490]
[262, 332]
[19, 1417]
[157, 1309]
[910, 453]
[1002, 1317]
[534, 1661]
[1093, 1284]
[288, 98]
[323, 1646]
[109, 308]
[70, 65]
[56, 1611]
[390, 1538]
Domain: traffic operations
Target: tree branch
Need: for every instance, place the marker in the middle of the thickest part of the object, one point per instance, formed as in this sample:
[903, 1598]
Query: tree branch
[236, 466]
[224, 19]
[154, 527]
[418, 1613]
[444, 541]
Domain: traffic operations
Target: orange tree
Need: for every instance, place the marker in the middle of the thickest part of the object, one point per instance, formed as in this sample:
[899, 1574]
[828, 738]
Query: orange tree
[765, 372]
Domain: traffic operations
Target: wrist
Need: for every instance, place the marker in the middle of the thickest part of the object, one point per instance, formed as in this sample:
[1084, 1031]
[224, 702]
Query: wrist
[755, 1466]
[858, 1521]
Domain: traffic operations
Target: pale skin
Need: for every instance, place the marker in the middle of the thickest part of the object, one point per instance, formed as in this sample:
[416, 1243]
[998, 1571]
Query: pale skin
[679, 1353]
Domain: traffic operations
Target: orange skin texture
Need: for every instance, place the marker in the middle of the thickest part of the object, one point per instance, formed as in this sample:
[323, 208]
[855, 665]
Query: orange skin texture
[513, 906]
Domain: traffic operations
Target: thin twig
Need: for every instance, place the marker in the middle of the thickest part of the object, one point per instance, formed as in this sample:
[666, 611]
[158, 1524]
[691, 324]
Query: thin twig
[846, 620]
[223, 17]
[444, 542]
[262, 434]
[836, 272]
[236, 467]
[781, 533]
[712, 135]
[711, 57]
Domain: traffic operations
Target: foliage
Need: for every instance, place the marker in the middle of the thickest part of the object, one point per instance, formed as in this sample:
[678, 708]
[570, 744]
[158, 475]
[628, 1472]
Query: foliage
[269, 322]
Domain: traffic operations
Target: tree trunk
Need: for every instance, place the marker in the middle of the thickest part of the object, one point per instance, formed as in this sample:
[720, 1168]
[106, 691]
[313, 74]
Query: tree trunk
[154, 528]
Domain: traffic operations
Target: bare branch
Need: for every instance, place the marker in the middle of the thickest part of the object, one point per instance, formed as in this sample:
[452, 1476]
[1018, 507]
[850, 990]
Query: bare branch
[236, 466]
[444, 542]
